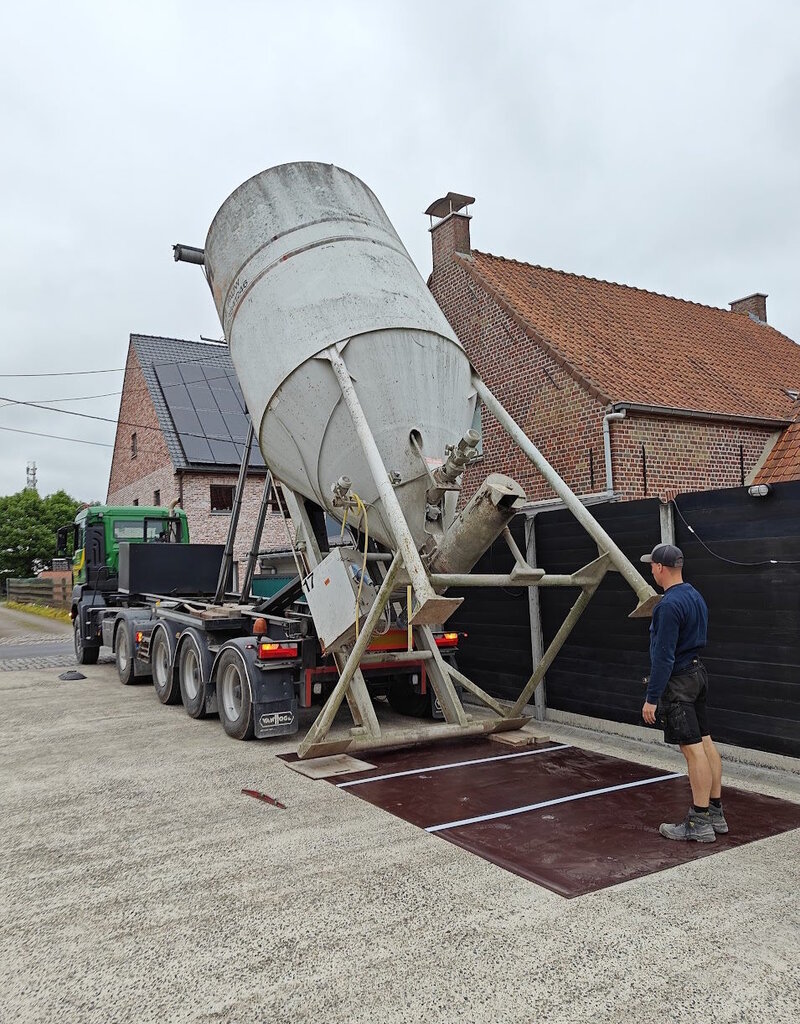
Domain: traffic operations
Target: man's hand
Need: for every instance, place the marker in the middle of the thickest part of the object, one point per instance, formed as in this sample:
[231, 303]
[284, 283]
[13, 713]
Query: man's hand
[649, 713]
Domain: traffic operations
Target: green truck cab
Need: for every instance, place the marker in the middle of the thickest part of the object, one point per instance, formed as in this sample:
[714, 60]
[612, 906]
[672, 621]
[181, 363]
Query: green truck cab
[98, 531]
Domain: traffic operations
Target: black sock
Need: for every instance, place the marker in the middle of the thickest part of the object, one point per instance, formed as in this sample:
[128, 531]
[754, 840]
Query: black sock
[700, 810]
[716, 801]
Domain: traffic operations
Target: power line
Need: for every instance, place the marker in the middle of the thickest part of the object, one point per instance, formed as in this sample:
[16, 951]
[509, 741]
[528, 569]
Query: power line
[65, 373]
[239, 442]
[77, 398]
[57, 437]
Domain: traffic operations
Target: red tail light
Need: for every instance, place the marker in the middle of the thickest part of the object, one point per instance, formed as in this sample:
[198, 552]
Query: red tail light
[267, 650]
[448, 639]
[139, 636]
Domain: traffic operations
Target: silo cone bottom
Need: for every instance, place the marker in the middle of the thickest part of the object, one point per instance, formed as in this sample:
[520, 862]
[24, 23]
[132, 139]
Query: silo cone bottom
[434, 611]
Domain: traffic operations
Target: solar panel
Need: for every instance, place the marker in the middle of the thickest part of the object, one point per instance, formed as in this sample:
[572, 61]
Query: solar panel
[207, 409]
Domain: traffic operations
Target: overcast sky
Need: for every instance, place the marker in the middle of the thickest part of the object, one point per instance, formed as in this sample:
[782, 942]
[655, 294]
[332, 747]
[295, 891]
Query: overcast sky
[651, 144]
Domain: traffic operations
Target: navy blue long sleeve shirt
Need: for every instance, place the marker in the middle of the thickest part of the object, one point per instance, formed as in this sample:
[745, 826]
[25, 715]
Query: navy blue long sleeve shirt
[677, 634]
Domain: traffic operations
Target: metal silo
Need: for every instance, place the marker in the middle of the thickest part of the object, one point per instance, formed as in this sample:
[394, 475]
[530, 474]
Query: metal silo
[300, 258]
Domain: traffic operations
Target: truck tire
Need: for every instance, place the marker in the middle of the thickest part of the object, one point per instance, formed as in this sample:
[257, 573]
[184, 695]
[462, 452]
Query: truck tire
[404, 699]
[124, 654]
[165, 681]
[83, 655]
[190, 678]
[234, 697]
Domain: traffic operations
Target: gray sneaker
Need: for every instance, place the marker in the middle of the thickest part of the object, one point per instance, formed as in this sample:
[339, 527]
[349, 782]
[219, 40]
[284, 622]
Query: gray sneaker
[718, 821]
[695, 827]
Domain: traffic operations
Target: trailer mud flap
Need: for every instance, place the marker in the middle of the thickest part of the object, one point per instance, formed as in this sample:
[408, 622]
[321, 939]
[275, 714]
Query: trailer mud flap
[274, 702]
[276, 718]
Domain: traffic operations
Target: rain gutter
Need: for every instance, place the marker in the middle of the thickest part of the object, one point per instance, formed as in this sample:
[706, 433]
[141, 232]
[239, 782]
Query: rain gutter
[775, 423]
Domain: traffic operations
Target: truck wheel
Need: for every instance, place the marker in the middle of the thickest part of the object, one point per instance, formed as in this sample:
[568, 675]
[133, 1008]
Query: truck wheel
[234, 699]
[83, 655]
[404, 699]
[124, 655]
[165, 682]
[190, 677]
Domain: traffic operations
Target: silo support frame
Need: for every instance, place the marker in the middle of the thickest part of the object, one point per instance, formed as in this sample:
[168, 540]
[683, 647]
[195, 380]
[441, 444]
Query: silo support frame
[432, 609]
[644, 592]
[358, 698]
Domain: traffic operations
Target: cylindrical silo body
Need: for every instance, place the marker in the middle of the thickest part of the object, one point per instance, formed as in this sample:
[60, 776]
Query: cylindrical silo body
[302, 257]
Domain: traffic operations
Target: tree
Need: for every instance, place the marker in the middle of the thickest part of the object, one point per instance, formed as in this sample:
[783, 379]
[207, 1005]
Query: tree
[28, 527]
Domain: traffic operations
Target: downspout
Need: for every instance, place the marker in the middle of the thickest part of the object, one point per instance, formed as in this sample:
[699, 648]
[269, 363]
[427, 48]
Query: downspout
[610, 417]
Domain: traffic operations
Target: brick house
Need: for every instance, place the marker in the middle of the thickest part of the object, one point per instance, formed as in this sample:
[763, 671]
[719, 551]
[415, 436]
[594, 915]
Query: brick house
[624, 391]
[181, 414]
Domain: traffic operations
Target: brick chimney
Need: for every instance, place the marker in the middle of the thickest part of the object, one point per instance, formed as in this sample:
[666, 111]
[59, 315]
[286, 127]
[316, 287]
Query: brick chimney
[449, 227]
[755, 305]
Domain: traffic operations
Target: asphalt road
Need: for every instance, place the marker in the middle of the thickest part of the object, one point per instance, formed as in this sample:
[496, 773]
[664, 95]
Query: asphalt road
[138, 885]
[32, 641]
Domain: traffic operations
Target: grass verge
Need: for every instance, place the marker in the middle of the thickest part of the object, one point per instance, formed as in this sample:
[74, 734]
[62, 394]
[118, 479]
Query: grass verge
[60, 614]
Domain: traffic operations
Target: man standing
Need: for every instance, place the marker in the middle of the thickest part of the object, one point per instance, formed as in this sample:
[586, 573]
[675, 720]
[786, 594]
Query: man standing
[677, 689]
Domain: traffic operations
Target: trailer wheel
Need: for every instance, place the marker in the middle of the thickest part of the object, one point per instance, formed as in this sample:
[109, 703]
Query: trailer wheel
[124, 655]
[190, 678]
[83, 655]
[234, 698]
[165, 682]
[404, 699]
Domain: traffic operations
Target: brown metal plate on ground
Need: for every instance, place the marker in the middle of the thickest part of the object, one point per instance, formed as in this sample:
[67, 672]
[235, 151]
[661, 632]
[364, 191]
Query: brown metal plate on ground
[569, 819]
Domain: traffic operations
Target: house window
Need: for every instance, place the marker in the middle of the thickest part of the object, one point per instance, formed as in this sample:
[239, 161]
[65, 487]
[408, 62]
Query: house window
[221, 498]
[157, 497]
[135, 501]
[134, 445]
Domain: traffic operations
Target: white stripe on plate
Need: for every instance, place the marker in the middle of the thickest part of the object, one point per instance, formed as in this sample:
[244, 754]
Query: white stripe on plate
[550, 803]
[454, 764]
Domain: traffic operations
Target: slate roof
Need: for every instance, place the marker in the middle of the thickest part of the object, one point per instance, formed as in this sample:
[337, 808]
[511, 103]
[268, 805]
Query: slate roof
[632, 346]
[153, 352]
[783, 462]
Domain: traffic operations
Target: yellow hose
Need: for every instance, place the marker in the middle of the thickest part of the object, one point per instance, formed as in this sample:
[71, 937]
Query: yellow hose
[362, 508]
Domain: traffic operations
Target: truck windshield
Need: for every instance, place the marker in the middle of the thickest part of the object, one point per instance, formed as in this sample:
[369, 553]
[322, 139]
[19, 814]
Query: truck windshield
[133, 529]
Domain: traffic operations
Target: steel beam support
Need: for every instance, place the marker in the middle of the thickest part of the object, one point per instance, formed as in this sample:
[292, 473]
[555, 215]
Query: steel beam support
[439, 675]
[227, 558]
[432, 608]
[534, 608]
[319, 730]
[358, 699]
[252, 555]
[666, 516]
[476, 690]
[600, 566]
[647, 597]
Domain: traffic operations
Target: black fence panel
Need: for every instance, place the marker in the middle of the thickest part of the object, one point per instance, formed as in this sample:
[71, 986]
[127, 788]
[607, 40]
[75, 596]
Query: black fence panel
[496, 653]
[753, 653]
[600, 668]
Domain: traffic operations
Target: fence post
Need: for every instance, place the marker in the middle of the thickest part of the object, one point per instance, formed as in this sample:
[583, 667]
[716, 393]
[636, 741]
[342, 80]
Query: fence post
[534, 607]
[666, 517]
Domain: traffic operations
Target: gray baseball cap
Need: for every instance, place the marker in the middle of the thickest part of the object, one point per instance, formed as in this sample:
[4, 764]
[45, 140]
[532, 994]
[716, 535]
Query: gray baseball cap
[665, 554]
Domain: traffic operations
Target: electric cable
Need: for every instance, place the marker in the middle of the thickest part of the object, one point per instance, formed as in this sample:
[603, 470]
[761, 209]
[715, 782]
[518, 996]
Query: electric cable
[722, 558]
[57, 437]
[65, 373]
[238, 442]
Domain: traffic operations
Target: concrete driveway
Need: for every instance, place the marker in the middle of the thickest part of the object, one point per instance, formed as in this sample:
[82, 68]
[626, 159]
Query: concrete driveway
[139, 885]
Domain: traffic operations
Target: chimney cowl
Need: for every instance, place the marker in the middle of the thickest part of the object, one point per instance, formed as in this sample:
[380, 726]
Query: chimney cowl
[755, 305]
[450, 229]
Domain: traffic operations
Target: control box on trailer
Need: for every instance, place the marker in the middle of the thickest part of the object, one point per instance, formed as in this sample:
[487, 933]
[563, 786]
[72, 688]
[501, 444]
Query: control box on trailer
[334, 590]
